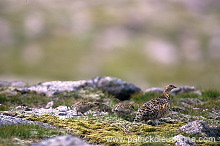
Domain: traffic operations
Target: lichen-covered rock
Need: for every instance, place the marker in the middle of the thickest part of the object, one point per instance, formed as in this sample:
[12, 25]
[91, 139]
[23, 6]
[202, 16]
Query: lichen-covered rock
[116, 87]
[64, 140]
[201, 128]
[183, 141]
[55, 87]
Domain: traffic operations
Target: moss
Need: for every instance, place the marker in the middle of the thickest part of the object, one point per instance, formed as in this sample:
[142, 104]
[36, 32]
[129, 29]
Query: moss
[98, 129]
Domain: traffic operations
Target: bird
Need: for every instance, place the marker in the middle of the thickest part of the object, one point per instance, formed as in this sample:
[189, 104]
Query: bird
[83, 106]
[155, 108]
[123, 109]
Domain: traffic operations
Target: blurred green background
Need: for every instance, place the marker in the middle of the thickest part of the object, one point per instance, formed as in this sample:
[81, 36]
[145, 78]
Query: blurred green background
[147, 42]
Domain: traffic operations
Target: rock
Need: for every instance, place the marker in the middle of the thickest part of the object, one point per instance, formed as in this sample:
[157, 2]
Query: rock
[201, 128]
[9, 91]
[116, 87]
[18, 84]
[64, 140]
[13, 84]
[4, 84]
[22, 107]
[191, 101]
[54, 87]
[18, 141]
[169, 120]
[183, 141]
[182, 89]
[49, 104]
[8, 120]
[156, 90]
[185, 89]
[178, 108]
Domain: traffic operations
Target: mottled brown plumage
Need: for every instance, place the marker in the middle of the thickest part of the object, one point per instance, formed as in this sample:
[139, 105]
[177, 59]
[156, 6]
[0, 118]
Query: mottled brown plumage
[155, 108]
[123, 109]
[83, 106]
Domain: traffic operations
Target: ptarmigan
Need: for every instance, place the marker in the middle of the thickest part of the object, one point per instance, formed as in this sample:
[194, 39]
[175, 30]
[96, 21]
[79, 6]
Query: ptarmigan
[83, 106]
[155, 108]
[123, 109]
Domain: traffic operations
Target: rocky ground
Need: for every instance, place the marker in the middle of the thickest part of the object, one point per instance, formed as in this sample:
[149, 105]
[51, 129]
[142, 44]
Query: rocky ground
[47, 107]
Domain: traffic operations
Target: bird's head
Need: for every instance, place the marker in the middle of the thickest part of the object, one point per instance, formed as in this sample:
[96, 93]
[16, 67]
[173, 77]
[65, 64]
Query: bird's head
[168, 88]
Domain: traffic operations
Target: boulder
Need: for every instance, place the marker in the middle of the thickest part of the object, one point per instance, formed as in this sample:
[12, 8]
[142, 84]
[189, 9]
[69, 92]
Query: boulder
[116, 87]
[201, 128]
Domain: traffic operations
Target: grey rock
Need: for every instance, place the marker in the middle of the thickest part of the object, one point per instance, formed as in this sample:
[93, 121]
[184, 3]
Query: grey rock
[9, 120]
[65, 140]
[201, 128]
[13, 84]
[116, 87]
[18, 84]
[156, 90]
[178, 90]
[185, 89]
[54, 87]
[49, 104]
[183, 141]
[4, 84]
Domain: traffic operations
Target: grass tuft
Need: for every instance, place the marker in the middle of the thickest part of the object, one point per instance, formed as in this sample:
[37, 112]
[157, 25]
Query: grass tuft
[27, 131]
[211, 93]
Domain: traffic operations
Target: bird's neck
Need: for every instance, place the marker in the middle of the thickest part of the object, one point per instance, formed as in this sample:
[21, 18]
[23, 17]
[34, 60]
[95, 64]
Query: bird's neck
[166, 94]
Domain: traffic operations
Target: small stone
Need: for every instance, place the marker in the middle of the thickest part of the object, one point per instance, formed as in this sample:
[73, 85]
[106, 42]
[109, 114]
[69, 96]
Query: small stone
[49, 104]
[62, 113]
